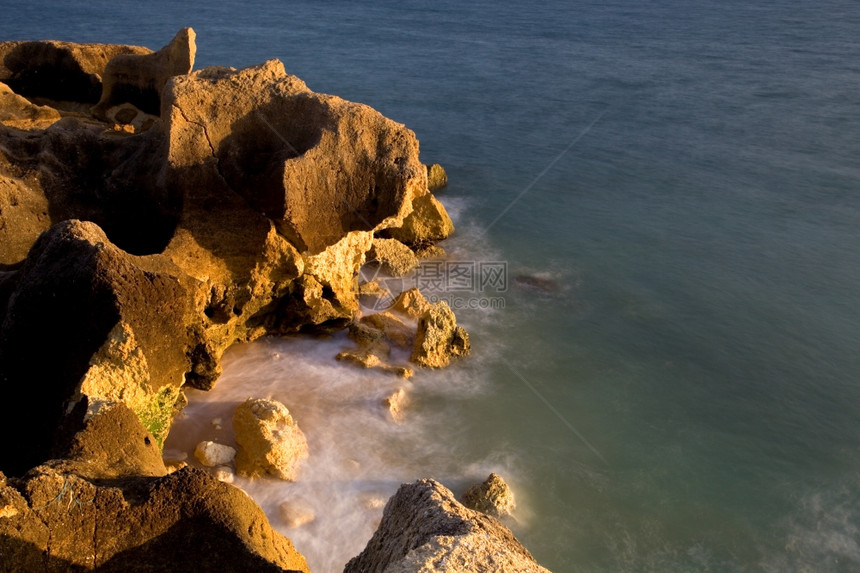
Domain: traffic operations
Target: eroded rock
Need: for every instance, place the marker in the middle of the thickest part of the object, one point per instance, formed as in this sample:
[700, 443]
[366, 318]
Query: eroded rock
[492, 496]
[60, 71]
[438, 338]
[212, 454]
[139, 78]
[428, 223]
[270, 441]
[65, 522]
[394, 258]
[122, 316]
[424, 528]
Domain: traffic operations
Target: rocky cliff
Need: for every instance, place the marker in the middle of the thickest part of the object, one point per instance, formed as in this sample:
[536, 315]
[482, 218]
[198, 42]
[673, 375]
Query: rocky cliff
[150, 217]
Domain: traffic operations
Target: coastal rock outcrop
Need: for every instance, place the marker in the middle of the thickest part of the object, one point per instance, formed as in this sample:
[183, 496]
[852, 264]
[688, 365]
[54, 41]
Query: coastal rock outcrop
[213, 207]
[107, 504]
[115, 326]
[392, 256]
[270, 441]
[424, 528]
[58, 521]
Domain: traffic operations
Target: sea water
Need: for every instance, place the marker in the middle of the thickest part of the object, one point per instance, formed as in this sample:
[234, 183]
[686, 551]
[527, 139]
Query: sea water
[674, 187]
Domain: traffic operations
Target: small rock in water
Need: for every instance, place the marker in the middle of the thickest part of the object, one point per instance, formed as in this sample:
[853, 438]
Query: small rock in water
[270, 441]
[212, 454]
[296, 512]
[492, 497]
[395, 403]
[223, 473]
[372, 501]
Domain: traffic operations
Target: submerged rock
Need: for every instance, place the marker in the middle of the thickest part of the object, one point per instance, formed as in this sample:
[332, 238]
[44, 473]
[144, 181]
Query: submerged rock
[493, 497]
[296, 513]
[395, 404]
[424, 528]
[270, 441]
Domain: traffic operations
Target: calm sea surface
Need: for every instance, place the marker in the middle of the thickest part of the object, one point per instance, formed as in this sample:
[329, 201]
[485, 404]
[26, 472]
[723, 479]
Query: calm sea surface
[673, 383]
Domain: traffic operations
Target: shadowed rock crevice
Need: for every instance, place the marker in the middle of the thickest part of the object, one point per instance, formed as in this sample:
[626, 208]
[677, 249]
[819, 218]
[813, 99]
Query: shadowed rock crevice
[59, 71]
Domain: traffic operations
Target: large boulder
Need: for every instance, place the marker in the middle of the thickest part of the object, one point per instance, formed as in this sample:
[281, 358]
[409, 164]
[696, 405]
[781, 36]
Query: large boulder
[424, 528]
[115, 327]
[316, 165]
[185, 521]
[270, 441]
[60, 71]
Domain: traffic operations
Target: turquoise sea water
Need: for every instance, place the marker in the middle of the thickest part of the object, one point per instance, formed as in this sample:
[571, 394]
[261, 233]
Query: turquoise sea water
[678, 390]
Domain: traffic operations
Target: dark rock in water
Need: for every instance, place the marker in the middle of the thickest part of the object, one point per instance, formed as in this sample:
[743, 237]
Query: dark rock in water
[60, 71]
[424, 528]
[538, 283]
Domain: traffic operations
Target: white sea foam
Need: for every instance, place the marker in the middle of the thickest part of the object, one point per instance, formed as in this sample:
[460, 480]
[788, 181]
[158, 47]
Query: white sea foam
[359, 455]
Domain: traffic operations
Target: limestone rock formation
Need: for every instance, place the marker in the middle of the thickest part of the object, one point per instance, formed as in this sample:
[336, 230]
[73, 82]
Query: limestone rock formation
[373, 338]
[60, 71]
[59, 521]
[392, 256]
[139, 78]
[107, 504]
[316, 165]
[411, 303]
[438, 338]
[120, 324]
[270, 441]
[134, 252]
[492, 496]
[424, 528]
[395, 330]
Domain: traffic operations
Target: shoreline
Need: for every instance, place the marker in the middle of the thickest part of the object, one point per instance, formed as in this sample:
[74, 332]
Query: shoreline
[191, 210]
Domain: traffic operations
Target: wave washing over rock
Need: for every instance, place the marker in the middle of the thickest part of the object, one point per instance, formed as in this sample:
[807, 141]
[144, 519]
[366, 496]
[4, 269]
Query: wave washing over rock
[152, 216]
